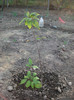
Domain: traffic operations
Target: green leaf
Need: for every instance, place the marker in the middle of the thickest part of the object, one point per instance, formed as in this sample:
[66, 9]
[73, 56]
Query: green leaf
[23, 81]
[34, 74]
[35, 67]
[35, 79]
[30, 61]
[28, 14]
[31, 77]
[38, 85]
[35, 24]
[32, 84]
[29, 74]
[14, 40]
[22, 20]
[65, 42]
[34, 14]
[28, 65]
[29, 24]
[26, 77]
[28, 83]
[38, 38]
[26, 23]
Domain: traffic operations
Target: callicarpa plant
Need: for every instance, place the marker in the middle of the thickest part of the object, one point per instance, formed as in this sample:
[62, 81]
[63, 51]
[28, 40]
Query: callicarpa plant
[31, 79]
[31, 20]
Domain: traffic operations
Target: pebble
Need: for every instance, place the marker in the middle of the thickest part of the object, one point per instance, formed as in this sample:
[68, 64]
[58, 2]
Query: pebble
[64, 85]
[69, 83]
[10, 88]
[63, 46]
[59, 89]
[45, 97]
[52, 98]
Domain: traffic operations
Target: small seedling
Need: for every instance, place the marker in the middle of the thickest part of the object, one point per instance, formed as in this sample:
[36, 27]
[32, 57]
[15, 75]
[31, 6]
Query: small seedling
[31, 79]
[65, 42]
[31, 20]
[14, 40]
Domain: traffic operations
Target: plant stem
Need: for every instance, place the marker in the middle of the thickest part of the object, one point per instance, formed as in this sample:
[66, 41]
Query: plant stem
[38, 50]
[39, 55]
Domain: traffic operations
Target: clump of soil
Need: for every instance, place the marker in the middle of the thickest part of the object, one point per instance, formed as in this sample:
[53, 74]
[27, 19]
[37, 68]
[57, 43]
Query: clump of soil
[49, 83]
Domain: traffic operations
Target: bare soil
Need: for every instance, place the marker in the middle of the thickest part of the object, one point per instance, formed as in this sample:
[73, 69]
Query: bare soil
[56, 47]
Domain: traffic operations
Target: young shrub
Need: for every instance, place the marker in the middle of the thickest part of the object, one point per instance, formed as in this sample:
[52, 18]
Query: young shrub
[31, 79]
[31, 20]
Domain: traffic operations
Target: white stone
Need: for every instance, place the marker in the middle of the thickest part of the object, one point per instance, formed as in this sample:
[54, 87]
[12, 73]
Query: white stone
[45, 97]
[69, 83]
[52, 98]
[59, 89]
[10, 88]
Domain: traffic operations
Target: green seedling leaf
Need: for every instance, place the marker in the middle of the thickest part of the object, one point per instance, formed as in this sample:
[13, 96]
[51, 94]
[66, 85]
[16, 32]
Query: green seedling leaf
[35, 67]
[26, 23]
[34, 74]
[28, 83]
[38, 38]
[29, 24]
[14, 40]
[26, 77]
[29, 74]
[65, 42]
[35, 79]
[38, 85]
[34, 14]
[30, 61]
[31, 77]
[28, 65]
[32, 84]
[35, 24]
[23, 81]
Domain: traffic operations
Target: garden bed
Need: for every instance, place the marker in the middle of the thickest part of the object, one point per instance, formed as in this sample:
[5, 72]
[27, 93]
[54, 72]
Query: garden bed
[56, 47]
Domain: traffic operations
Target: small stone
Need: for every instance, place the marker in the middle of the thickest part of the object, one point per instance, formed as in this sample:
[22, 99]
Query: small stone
[63, 46]
[66, 57]
[52, 98]
[10, 88]
[59, 89]
[69, 83]
[64, 85]
[45, 97]
[40, 93]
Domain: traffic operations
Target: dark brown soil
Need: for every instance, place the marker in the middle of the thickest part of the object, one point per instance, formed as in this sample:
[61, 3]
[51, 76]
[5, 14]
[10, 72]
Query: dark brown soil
[49, 82]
